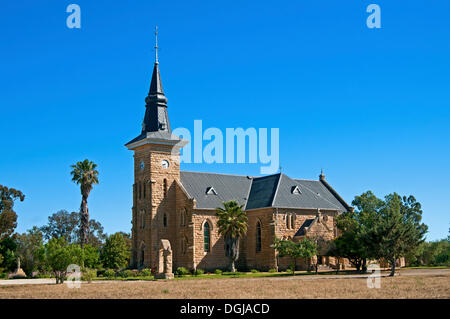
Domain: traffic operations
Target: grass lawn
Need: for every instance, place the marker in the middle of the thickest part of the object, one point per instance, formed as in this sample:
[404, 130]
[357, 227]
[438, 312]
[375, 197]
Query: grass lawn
[426, 284]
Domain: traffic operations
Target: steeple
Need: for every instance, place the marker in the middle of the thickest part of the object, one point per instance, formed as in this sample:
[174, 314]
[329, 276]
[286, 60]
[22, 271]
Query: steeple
[156, 116]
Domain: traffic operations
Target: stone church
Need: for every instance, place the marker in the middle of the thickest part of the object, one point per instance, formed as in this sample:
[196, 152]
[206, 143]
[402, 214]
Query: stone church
[174, 211]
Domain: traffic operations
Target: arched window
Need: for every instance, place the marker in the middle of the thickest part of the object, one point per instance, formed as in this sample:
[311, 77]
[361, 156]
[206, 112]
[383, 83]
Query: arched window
[143, 219]
[165, 220]
[144, 189]
[165, 187]
[258, 237]
[183, 217]
[142, 256]
[206, 237]
[140, 190]
[287, 221]
[293, 221]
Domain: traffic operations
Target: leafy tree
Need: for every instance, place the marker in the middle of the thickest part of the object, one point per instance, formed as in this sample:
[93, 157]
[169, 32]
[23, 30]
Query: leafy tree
[67, 225]
[28, 247]
[58, 255]
[232, 226]
[91, 256]
[85, 174]
[398, 229]
[8, 217]
[62, 224]
[8, 248]
[305, 248]
[115, 253]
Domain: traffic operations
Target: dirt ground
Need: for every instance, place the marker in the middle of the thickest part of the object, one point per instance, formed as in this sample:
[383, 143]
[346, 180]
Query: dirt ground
[410, 284]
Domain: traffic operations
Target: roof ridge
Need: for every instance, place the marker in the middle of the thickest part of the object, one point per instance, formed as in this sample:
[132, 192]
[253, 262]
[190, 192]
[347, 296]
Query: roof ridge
[216, 173]
[276, 189]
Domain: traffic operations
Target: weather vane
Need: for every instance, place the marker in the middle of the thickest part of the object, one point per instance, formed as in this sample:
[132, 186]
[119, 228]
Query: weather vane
[156, 44]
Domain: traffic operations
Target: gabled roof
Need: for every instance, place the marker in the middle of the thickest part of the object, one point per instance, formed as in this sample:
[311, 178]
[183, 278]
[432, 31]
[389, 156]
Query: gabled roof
[260, 192]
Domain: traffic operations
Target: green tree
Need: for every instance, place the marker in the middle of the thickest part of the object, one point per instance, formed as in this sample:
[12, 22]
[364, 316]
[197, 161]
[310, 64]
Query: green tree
[232, 225]
[91, 256]
[8, 217]
[28, 247]
[398, 229]
[68, 225]
[58, 255]
[115, 253]
[8, 247]
[305, 248]
[85, 174]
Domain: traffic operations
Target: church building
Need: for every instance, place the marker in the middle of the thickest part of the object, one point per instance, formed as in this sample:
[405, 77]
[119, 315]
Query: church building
[178, 208]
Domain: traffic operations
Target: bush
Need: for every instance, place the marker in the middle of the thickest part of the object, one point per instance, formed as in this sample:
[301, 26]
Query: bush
[272, 270]
[88, 275]
[127, 273]
[109, 273]
[182, 271]
[254, 271]
[3, 276]
[198, 272]
[218, 272]
[146, 272]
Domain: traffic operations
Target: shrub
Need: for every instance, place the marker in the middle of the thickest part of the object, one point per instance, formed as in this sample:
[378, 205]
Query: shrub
[88, 275]
[254, 271]
[146, 272]
[218, 272]
[198, 272]
[3, 276]
[109, 273]
[182, 271]
[272, 270]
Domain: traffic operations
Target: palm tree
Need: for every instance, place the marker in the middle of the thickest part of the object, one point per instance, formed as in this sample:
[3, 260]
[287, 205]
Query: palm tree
[85, 174]
[232, 225]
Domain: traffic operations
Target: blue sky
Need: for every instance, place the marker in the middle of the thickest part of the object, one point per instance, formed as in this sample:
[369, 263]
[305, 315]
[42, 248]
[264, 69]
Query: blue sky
[369, 106]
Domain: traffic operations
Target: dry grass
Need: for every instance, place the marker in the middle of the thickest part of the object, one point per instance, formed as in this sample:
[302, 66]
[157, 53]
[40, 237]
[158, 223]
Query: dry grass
[436, 286]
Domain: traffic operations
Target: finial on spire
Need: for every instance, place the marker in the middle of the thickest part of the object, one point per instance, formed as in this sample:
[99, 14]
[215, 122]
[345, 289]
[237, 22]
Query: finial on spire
[156, 44]
[321, 176]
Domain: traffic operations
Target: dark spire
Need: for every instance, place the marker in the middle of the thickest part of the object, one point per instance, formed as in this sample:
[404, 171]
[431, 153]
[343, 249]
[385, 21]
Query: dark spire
[156, 116]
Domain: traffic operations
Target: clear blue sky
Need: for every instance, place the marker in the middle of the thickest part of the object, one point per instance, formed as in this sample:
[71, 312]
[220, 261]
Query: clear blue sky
[369, 106]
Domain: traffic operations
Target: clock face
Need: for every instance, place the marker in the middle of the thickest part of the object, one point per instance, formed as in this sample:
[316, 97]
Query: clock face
[142, 165]
[164, 164]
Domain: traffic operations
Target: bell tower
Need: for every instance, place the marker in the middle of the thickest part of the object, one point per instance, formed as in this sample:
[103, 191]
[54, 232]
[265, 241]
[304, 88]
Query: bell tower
[156, 170]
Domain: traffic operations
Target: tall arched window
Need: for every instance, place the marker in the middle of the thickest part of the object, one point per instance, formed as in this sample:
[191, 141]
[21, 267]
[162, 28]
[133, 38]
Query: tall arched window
[287, 221]
[165, 187]
[143, 218]
[206, 237]
[144, 189]
[165, 220]
[258, 237]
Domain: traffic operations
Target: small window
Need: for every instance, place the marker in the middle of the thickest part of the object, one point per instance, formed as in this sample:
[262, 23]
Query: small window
[211, 191]
[292, 221]
[165, 220]
[295, 190]
[206, 237]
[287, 221]
[258, 237]
[165, 187]
[140, 191]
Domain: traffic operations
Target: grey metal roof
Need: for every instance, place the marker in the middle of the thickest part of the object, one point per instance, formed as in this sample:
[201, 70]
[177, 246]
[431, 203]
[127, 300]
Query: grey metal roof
[227, 187]
[313, 195]
[262, 191]
[268, 191]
